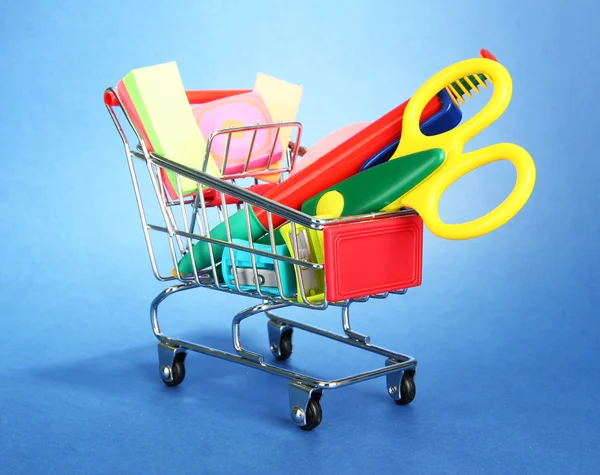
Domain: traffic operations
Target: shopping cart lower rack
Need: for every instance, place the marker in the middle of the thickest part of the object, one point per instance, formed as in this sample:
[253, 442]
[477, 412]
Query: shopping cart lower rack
[306, 262]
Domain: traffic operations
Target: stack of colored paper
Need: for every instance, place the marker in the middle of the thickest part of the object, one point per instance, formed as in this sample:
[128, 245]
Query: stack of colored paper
[156, 101]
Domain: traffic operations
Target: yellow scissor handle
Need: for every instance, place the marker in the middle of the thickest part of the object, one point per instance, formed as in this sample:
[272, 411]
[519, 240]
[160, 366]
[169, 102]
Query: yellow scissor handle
[425, 197]
[455, 139]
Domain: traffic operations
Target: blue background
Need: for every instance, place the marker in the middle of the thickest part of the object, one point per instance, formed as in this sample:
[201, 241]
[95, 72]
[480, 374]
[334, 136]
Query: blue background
[505, 327]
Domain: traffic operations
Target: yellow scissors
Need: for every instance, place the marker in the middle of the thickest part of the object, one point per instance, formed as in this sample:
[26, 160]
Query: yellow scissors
[424, 198]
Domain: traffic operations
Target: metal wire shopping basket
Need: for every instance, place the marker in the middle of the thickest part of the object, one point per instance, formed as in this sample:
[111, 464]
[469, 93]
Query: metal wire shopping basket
[305, 262]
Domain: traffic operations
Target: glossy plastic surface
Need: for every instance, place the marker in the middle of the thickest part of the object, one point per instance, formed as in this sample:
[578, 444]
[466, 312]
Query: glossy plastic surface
[194, 97]
[425, 197]
[243, 259]
[372, 190]
[201, 252]
[374, 256]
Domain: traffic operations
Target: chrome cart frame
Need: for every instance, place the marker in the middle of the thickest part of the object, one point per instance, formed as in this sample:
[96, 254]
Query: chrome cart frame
[188, 220]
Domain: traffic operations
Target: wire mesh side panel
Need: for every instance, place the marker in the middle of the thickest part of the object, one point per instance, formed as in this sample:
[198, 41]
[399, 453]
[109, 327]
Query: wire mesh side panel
[218, 241]
[203, 229]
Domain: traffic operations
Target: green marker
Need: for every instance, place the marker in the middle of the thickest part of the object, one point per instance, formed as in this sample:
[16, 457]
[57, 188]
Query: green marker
[374, 188]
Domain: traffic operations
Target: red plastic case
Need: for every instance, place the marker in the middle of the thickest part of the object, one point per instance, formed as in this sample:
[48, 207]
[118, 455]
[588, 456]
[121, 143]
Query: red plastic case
[374, 256]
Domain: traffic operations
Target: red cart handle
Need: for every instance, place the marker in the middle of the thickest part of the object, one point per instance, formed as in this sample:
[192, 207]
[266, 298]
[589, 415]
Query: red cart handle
[194, 97]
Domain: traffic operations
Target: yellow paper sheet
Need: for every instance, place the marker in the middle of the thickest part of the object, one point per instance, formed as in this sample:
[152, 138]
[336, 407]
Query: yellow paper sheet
[159, 97]
[283, 101]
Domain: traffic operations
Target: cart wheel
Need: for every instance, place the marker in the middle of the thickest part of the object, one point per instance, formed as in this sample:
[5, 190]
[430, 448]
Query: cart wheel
[285, 346]
[177, 371]
[314, 414]
[280, 339]
[408, 390]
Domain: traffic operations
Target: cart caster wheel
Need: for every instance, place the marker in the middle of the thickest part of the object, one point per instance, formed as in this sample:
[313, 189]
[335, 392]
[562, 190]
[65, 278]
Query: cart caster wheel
[280, 340]
[314, 415]
[401, 384]
[175, 374]
[305, 405]
[171, 363]
[408, 390]
[285, 346]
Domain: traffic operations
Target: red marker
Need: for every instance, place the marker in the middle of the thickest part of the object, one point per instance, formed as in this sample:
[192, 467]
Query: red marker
[341, 162]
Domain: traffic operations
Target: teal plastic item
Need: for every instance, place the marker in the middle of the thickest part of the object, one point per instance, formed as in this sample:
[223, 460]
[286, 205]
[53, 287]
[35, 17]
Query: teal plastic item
[265, 267]
[266, 239]
[239, 230]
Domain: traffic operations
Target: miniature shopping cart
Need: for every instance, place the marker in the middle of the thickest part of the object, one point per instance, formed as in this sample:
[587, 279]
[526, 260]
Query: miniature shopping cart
[310, 261]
